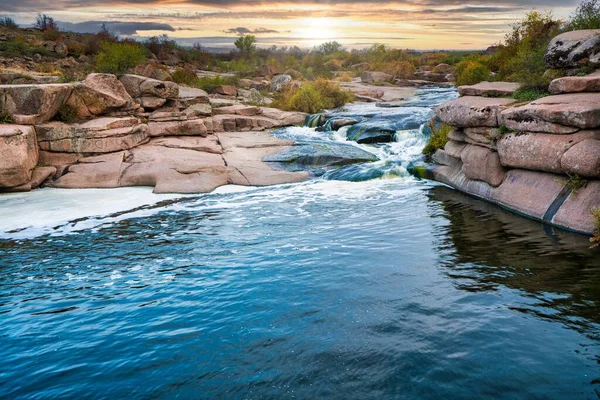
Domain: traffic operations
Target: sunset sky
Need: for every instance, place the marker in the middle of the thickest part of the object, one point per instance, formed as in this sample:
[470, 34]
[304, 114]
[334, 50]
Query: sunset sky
[415, 24]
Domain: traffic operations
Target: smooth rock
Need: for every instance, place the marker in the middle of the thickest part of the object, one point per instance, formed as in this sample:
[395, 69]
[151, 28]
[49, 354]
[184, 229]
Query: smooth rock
[454, 149]
[582, 159]
[366, 134]
[198, 110]
[152, 103]
[575, 211]
[192, 127]
[239, 109]
[482, 164]
[321, 155]
[33, 104]
[457, 135]
[375, 77]
[539, 151]
[207, 144]
[576, 84]
[574, 49]
[470, 111]
[99, 94]
[163, 89]
[489, 89]
[236, 123]
[18, 154]
[278, 82]
[443, 158]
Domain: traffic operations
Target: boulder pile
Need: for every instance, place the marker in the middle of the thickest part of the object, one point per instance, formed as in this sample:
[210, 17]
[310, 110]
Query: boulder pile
[540, 159]
[109, 131]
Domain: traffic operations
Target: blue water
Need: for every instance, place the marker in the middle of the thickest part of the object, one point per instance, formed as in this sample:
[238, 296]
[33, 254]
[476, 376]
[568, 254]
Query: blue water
[382, 288]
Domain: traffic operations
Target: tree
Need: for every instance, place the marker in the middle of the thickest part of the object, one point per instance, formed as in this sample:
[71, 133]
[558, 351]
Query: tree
[8, 22]
[587, 16]
[45, 22]
[329, 48]
[246, 44]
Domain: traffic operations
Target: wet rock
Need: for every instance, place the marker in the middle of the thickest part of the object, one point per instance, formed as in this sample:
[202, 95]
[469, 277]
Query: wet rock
[575, 211]
[565, 113]
[482, 164]
[33, 104]
[574, 49]
[538, 151]
[489, 89]
[375, 77]
[18, 154]
[582, 159]
[470, 111]
[312, 154]
[370, 134]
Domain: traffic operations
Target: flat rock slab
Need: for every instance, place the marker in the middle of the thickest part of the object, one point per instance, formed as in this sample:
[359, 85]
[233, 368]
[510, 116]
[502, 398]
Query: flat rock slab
[575, 213]
[208, 144]
[489, 89]
[576, 84]
[472, 111]
[561, 114]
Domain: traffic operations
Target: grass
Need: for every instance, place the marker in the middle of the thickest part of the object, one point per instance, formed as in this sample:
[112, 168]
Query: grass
[529, 94]
[438, 139]
[596, 235]
[6, 119]
[66, 114]
[576, 183]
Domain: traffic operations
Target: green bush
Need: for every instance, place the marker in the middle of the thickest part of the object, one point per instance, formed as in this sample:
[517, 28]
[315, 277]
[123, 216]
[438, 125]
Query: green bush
[470, 72]
[66, 114]
[438, 139]
[587, 16]
[528, 93]
[307, 99]
[185, 76]
[118, 58]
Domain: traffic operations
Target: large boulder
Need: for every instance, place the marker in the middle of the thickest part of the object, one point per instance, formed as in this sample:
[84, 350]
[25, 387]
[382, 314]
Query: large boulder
[98, 136]
[574, 49]
[576, 84]
[365, 133]
[472, 111]
[539, 151]
[33, 104]
[561, 114]
[375, 77]
[582, 159]
[140, 86]
[482, 164]
[99, 94]
[318, 155]
[278, 82]
[190, 96]
[489, 89]
[18, 154]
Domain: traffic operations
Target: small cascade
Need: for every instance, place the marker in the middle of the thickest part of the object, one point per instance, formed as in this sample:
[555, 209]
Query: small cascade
[313, 120]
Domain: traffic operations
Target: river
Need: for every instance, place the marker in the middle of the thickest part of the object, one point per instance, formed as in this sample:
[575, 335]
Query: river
[361, 283]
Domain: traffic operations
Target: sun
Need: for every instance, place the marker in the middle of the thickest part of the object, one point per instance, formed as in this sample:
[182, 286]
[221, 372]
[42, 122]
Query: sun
[316, 30]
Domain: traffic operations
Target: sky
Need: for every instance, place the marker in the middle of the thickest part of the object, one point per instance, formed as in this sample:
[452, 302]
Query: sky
[408, 24]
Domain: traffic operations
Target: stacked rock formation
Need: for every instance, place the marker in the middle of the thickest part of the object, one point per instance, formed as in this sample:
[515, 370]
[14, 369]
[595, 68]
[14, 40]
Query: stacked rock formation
[540, 159]
[134, 130]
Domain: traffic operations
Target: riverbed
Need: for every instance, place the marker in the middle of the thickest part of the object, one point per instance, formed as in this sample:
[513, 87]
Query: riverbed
[362, 282]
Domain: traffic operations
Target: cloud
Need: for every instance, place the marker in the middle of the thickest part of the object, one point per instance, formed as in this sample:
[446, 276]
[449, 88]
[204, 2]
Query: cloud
[118, 27]
[240, 30]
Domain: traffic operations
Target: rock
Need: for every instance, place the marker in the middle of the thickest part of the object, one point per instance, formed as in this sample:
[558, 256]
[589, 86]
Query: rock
[152, 103]
[191, 96]
[471, 111]
[103, 135]
[370, 134]
[293, 73]
[454, 149]
[375, 77]
[279, 82]
[582, 159]
[574, 49]
[483, 136]
[243, 154]
[94, 172]
[457, 135]
[482, 164]
[226, 90]
[246, 83]
[284, 118]
[538, 151]
[207, 144]
[163, 89]
[61, 49]
[320, 155]
[430, 76]
[239, 109]
[237, 123]
[575, 213]
[444, 69]
[99, 94]
[40, 175]
[361, 66]
[443, 158]
[565, 113]
[132, 84]
[266, 70]
[152, 70]
[198, 110]
[33, 104]
[576, 84]
[167, 116]
[18, 154]
[337, 123]
[489, 89]
[194, 127]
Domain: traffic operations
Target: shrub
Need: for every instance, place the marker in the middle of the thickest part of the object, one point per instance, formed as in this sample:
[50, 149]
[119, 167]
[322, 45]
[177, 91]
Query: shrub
[185, 76]
[587, 16]
[8, 22]
[596, 235]
[45, 22]
[313, 97]
[471, 72]
[5, 119]
[438, 138]
[211, 83]
[399, 69]
[118, 58]
[528, 93]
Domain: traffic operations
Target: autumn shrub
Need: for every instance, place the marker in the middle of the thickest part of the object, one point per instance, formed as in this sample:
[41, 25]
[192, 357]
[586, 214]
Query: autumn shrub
[313, 97]
[118, 58]
[398, 69]
[438, 138]
[185, 76]
[470, 72]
